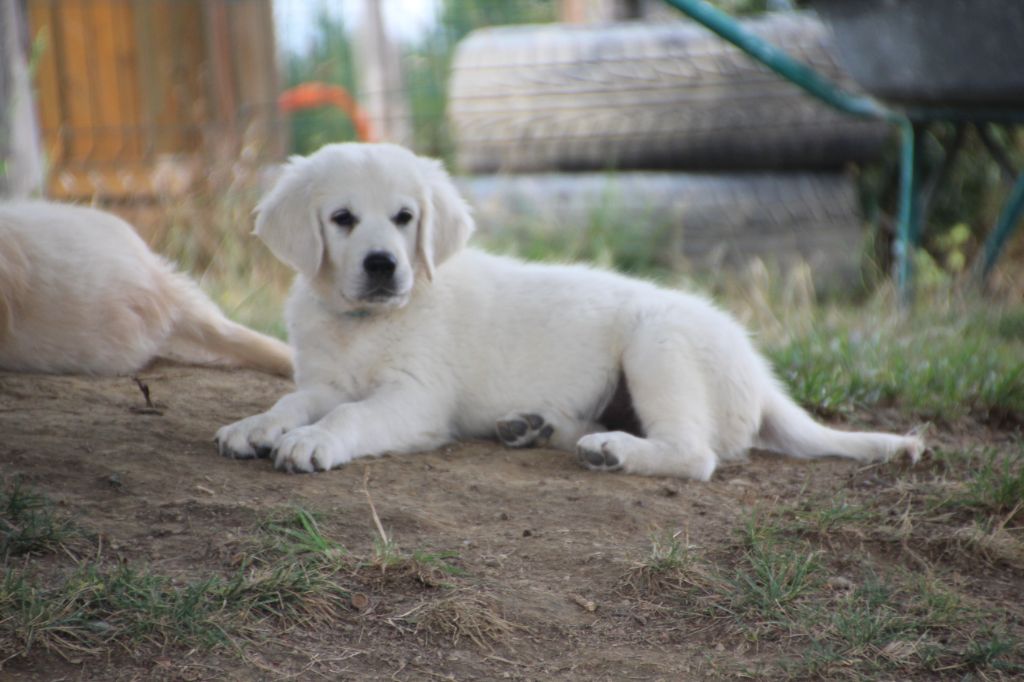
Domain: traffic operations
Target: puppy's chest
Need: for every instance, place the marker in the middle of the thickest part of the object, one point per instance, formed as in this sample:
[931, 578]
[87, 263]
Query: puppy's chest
[356, 356]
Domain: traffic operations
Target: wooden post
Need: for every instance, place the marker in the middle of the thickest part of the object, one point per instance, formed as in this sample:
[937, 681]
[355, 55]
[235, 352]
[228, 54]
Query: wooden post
[21, 156]
[381, 91]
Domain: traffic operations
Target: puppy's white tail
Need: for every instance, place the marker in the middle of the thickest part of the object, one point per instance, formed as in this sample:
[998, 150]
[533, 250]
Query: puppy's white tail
[203, 335]
[788, 429]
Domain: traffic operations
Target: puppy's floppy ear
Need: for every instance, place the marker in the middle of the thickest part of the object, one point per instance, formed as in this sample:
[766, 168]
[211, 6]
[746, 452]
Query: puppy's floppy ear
[446, 223]
[287, 223]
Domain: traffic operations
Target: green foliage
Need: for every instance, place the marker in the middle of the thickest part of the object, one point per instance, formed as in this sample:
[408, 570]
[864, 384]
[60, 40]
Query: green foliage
[328, 60]
[427, 62]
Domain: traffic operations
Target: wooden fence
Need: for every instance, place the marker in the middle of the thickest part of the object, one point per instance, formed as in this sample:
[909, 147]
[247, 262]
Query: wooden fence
[145, 97]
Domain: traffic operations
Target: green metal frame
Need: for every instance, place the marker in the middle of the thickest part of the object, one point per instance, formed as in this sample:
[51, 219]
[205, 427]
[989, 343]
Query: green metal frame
[913, 125]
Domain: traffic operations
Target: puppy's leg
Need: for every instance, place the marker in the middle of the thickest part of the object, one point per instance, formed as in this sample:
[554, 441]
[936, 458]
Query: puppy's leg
[257, 436]
[539, 429]
[401, 418]
[670, 400]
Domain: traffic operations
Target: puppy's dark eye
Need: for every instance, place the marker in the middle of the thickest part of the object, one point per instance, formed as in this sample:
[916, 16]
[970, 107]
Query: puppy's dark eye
[402, 217]
[344, 218]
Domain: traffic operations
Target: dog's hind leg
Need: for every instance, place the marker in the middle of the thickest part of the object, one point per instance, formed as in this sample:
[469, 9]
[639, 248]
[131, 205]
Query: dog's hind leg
[670, 400]
[541, 428]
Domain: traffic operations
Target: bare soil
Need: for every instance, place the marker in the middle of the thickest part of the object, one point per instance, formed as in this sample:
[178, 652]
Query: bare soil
[543, 542]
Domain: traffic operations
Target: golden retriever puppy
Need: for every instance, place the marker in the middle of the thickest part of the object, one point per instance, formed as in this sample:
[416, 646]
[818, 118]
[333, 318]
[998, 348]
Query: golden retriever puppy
[80, 292]
[405, 341]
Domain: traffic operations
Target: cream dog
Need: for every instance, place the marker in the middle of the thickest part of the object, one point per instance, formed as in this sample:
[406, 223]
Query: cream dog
[80, 292]
[405, 341]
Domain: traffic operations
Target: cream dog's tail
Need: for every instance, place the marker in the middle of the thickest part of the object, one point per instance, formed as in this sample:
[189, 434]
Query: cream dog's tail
[788, 429]
[203, 335]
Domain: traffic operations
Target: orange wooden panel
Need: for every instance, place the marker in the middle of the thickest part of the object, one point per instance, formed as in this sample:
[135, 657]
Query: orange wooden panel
[126, 55]
[72, 43]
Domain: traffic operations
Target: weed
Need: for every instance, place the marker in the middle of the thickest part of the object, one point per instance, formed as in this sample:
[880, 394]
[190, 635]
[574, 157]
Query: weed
[839, 512]
[443, 561]
[996, 487]
[772, 578]
[298, 532]
[992, 650]
[29, 524]
[669, 567]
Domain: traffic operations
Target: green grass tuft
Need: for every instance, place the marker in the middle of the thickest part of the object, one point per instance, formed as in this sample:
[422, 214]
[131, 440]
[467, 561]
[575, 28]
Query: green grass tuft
[772, 574]
[994, 487]
[29, 524]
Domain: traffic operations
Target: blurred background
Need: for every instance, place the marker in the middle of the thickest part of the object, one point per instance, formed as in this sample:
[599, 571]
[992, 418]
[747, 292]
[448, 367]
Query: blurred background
[613, 131]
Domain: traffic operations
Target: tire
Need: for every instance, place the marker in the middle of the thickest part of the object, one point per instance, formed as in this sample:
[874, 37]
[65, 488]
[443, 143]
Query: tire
[645, 96]
[703, 221]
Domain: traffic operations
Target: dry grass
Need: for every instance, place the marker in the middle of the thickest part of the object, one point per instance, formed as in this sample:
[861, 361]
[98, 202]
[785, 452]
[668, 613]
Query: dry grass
[464, 615]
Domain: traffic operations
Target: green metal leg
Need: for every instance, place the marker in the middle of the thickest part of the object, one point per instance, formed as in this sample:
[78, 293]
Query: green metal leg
[909, 231]
[1007, 222]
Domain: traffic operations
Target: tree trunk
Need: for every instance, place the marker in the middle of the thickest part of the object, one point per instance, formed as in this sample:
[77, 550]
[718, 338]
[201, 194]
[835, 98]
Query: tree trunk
[21, 158]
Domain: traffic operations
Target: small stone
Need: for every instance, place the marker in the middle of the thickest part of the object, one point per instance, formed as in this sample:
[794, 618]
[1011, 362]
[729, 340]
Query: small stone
[838, 582]
[360, 602]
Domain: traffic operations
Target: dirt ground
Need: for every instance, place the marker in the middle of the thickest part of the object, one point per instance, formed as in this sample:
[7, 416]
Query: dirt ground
[542, 540]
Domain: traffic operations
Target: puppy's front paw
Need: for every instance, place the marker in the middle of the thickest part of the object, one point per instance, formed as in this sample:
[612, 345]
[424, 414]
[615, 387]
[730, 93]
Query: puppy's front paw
[308, 449]
[254, 436]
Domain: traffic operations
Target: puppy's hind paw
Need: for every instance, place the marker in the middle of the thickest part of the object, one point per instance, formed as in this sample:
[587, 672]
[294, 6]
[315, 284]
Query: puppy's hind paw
[597, 455]
[523, 430]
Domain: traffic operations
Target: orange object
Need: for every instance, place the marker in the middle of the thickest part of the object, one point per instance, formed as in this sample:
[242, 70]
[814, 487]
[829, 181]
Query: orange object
[312, 95]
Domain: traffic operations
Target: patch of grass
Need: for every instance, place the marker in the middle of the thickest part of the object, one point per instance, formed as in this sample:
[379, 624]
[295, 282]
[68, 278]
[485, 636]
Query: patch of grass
[670, 566]
[297, 532]
[992, 649]
[773, 574]
[389, 563]
[93, 608]
[834, 513]
[996, 486]
[442, 561]
[934, 371]
[291, 574]
[29, 524]
[1010, 325]
[828, 610]
[463, 615]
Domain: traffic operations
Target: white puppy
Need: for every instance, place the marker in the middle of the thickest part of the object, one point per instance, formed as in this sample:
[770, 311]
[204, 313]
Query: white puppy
[80, 292]
[404, 342]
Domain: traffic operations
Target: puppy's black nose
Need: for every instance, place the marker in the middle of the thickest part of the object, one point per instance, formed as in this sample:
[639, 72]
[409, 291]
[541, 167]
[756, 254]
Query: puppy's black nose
[380, 264]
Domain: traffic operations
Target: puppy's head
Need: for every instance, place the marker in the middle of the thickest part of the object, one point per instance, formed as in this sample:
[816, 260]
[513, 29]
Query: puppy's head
[362, 221]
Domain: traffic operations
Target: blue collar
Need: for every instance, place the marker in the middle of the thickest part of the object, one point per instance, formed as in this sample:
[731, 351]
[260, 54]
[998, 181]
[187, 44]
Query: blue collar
[357, 314]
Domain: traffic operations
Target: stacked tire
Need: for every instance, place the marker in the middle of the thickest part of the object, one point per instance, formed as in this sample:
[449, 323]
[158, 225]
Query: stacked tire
[670, 97]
